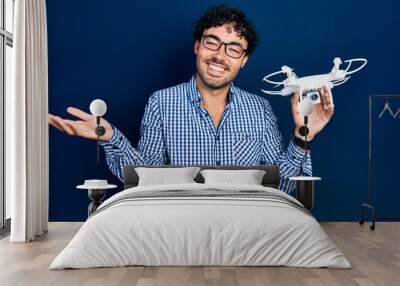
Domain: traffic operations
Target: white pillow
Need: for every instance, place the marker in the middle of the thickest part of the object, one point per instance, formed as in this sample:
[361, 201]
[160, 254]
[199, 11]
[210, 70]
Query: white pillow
[249, 177]
[165, 176]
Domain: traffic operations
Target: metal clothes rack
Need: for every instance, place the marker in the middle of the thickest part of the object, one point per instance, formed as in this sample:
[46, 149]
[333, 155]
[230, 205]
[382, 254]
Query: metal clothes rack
[368, 204]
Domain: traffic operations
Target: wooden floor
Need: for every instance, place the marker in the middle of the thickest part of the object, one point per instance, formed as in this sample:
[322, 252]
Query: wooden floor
[375, 257]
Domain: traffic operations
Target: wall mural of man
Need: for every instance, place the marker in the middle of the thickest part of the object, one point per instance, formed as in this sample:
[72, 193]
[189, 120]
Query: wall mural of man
[208, 120]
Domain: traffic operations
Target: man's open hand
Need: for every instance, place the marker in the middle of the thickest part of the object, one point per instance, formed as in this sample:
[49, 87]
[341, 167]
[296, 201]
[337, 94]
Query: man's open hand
[85, 127]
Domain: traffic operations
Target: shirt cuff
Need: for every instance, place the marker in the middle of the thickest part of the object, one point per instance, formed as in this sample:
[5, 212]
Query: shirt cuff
[117, 143]
[296, 154]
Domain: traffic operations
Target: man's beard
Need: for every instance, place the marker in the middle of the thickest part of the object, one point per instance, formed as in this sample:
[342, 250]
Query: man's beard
[213, 85]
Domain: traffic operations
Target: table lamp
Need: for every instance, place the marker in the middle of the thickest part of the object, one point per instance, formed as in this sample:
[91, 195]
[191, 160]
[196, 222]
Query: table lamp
[98, 108]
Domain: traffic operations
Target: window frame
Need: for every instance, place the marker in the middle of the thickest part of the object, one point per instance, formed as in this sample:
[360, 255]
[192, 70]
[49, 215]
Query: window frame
[6, 39]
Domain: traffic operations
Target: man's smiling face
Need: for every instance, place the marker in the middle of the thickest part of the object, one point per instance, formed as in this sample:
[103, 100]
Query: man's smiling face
[215, 68]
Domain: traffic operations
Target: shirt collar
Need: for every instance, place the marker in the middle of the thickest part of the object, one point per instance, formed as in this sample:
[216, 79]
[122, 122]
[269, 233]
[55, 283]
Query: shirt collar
[195, 96]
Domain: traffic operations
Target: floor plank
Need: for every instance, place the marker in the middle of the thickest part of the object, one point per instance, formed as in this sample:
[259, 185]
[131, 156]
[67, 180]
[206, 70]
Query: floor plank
[374, 255]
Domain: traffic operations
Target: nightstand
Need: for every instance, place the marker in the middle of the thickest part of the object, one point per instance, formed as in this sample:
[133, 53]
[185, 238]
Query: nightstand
[96, 191]
[305, 190]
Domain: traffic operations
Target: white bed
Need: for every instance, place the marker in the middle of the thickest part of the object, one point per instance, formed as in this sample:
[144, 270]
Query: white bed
[201, 224]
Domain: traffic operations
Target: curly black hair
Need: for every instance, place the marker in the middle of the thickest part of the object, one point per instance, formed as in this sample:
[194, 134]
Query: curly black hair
[219, 15]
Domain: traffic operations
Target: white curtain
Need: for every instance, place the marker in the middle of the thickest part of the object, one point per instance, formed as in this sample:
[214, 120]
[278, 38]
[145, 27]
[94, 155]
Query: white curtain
[26, 124]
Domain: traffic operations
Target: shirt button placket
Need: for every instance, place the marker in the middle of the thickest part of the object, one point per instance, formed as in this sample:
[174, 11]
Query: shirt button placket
[218, 163]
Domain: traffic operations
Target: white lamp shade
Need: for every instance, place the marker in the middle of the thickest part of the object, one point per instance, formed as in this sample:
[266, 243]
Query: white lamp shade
[98, 107]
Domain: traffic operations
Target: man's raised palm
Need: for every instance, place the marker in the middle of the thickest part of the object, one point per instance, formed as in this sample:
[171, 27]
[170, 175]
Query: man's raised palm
[85, 127]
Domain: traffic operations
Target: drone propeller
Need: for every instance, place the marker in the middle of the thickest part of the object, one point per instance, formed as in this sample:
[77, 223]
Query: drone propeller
[277, 83]
[340, 81]
[364, 62]
[271, 92]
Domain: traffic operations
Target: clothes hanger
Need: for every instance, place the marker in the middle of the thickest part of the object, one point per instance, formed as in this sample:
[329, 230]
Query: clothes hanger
[386, 107]
[397, 113]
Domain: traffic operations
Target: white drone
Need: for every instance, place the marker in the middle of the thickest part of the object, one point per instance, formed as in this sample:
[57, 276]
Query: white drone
[309, 86]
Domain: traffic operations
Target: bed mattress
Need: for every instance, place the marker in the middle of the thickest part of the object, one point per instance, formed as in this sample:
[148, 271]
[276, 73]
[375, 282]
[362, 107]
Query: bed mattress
[201, 225]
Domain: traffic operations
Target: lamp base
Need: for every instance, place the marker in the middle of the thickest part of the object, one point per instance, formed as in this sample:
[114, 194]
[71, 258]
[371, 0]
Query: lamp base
[97, 196]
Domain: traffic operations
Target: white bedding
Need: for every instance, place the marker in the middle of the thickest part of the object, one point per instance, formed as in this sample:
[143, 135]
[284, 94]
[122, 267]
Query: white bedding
[190, 230]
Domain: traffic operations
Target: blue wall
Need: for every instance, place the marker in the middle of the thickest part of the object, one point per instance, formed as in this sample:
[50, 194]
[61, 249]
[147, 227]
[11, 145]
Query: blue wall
[122, 51]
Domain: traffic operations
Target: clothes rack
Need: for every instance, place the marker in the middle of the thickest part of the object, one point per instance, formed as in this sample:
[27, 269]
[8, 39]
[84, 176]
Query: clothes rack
[369, 204]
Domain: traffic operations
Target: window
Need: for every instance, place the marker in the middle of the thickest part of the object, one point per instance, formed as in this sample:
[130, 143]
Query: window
[6, 44]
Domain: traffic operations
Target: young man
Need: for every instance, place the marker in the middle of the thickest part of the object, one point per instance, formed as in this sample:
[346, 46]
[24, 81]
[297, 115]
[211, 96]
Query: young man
[208, 121]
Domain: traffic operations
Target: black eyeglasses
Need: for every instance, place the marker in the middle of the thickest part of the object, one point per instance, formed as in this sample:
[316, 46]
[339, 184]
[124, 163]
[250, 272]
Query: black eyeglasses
[232, 50]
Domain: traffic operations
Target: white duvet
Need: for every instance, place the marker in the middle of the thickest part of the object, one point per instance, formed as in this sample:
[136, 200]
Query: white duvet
[183, 231]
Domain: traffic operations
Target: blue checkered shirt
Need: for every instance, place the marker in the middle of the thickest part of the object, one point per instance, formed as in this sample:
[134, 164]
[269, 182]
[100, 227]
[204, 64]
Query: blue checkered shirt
[177, 130]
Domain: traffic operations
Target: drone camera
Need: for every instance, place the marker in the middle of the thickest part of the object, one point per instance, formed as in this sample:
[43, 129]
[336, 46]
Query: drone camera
[311, 96]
